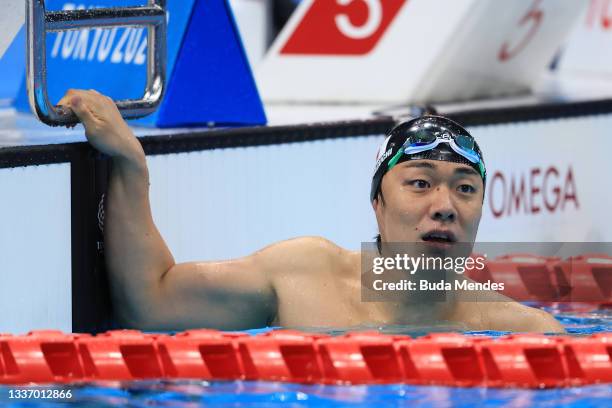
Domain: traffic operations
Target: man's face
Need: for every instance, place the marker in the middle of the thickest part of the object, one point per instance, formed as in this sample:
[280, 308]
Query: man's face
[430, 201]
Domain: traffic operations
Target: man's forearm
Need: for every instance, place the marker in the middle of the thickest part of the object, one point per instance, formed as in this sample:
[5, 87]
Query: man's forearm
[136, 254]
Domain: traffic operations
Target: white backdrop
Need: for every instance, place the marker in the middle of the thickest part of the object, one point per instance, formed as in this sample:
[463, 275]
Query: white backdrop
[230, 202]
[568, 155]
[227, 203]
[35, 250]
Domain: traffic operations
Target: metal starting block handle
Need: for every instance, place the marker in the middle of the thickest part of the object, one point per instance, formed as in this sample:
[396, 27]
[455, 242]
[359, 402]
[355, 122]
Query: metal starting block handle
[39, 22]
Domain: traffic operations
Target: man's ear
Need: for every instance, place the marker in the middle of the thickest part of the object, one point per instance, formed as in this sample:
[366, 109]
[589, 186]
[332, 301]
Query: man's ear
[378, 205]
[379, 200]
[375, 204]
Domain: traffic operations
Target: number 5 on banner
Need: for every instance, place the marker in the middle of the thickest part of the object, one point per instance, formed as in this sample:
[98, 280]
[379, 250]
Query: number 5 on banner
[375, 14]
[339, 27]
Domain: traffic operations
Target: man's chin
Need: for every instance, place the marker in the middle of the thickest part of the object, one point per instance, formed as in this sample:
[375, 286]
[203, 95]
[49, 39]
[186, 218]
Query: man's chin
[432, 248]
[444, 249]
[427, 248]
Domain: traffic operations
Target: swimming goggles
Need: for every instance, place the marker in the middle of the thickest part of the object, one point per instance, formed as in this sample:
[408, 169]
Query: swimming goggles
[422, 139]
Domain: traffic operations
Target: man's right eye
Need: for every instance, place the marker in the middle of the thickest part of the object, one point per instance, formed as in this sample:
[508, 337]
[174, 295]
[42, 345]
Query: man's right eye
[419, 183]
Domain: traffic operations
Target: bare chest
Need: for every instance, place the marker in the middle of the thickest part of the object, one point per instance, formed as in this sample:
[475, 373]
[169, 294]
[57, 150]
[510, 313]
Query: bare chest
[324, 299]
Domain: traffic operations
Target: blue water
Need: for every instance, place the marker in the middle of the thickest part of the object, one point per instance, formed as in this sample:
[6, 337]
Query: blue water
[264, 394]
[267, 394]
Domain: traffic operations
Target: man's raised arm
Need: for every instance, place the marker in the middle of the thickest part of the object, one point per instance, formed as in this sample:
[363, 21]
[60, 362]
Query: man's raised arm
[149, 290]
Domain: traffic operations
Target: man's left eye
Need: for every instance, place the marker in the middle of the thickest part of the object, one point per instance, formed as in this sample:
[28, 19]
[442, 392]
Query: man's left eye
[466, 188]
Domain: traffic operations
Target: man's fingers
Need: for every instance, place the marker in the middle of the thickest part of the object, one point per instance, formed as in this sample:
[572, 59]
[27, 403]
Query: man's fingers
[80, 109]
[65, 101]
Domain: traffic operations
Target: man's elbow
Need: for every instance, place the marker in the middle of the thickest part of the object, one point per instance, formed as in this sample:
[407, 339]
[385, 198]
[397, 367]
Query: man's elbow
[139, 308]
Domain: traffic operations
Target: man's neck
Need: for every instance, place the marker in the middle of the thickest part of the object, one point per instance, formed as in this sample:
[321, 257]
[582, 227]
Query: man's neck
[429, 300]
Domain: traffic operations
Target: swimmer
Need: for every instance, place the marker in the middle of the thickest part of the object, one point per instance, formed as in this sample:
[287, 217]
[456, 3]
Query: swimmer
[426, 189]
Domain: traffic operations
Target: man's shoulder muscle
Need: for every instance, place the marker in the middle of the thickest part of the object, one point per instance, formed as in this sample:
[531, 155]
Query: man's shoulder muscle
[513, 316]
[303, 254]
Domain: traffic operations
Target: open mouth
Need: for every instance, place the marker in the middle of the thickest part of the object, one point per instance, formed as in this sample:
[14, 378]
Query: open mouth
[439, 237]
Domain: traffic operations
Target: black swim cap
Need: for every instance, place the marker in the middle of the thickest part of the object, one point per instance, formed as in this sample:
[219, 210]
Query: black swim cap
[435, 124]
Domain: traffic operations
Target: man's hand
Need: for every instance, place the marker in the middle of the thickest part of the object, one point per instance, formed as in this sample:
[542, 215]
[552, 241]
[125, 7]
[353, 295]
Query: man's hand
[105, 129]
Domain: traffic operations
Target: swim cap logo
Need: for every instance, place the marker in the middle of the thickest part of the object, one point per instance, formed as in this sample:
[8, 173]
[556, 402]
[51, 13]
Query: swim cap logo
[382, 159]
[342, 27]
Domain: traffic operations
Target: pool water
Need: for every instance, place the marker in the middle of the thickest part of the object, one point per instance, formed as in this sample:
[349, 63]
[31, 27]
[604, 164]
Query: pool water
[248, 393]
[242, 393]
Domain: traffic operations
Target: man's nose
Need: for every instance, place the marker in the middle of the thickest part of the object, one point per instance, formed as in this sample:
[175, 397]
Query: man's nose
[442, 207]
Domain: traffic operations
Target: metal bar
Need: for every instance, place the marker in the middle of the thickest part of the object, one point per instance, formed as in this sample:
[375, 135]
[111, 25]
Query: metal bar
[39, 22]
[36, 61]
[103, 17]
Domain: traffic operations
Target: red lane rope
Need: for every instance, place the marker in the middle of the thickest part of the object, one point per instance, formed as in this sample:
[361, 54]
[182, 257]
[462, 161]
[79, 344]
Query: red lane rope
[523, 360]
[586, 278]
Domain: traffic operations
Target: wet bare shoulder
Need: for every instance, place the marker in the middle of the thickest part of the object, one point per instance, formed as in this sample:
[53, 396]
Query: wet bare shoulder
[302, 255]
[513, 316]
